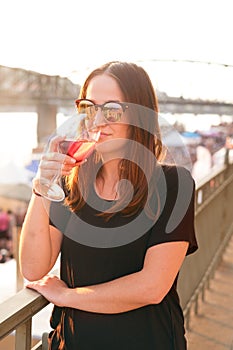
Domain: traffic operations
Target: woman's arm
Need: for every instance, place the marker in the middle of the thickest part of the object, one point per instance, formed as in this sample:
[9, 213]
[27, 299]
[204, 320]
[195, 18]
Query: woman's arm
[39, 242]
[148, 286]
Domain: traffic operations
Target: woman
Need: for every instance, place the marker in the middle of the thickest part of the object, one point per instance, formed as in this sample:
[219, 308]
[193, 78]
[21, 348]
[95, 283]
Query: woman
[123, 230]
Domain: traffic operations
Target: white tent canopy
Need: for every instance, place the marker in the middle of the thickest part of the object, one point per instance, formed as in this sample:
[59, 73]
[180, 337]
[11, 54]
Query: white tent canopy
[11, 173]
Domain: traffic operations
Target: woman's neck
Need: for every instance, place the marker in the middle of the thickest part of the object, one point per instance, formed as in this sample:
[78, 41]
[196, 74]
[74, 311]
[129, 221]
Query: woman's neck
[107, 181]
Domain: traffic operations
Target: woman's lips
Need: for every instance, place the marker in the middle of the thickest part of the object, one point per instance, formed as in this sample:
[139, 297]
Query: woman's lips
[104, 134]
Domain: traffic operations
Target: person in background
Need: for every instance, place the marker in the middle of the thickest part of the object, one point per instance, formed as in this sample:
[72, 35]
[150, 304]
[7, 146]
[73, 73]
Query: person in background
[20, 213]
[228, 148]
[204, 159]
[12, 225]
[4, 227]
[203, 164]
[123, 230]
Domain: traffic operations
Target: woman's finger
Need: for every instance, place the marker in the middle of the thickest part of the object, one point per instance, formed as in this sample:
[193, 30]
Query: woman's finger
[54, 143]
[58, 157]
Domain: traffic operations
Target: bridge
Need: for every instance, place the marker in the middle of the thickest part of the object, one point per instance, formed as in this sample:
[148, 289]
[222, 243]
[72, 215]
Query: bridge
[28, 91]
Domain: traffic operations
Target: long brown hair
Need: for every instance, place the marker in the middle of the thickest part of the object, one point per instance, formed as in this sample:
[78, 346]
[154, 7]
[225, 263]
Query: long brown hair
[137, 89]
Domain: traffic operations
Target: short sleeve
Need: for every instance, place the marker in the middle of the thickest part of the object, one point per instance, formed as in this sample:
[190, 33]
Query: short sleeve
[176, 218]
[59, 215]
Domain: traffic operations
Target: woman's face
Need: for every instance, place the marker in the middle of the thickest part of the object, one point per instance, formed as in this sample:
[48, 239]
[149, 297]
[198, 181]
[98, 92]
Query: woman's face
[101, 89]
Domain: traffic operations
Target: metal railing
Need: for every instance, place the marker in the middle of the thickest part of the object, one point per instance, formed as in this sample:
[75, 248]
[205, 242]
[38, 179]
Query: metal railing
[16, 314]
[214, 227]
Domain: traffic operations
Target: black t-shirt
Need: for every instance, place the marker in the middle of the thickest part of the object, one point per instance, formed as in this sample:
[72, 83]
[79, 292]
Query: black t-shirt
[95, 251]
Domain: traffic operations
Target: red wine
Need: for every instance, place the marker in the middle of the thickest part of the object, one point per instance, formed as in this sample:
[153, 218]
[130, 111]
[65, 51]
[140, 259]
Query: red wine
[79, 150]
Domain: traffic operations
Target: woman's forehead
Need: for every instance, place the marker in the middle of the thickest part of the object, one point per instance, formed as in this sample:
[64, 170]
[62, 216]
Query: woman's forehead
[104, 88]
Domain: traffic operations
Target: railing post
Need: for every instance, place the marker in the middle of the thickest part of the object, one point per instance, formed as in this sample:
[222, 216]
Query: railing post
[46, 124]
[226, 157]
[23, 336]
[19, 277]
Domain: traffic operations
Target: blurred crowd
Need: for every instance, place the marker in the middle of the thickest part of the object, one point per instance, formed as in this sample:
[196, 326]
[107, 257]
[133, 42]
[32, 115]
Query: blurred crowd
[212, 150]
[8, 222]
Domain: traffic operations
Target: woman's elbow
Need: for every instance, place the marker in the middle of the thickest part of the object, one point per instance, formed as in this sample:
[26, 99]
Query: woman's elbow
[157, 298]
[156, 295]
[30, 273]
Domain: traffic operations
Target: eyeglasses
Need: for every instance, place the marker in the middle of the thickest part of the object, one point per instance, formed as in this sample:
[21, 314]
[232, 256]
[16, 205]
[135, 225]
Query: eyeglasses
[112, 111]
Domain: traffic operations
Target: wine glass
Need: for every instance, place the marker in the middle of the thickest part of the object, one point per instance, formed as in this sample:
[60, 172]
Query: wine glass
[80, 136]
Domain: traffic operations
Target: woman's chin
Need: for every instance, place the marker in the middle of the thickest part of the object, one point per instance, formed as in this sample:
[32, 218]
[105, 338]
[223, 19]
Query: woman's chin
[113, 147]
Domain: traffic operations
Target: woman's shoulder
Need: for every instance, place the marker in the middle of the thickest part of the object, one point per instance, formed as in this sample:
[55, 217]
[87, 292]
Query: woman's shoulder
[173, 169]
[175, 174]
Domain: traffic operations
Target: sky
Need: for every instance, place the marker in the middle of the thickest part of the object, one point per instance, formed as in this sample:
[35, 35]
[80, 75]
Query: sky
[70, 37]
[58, 36]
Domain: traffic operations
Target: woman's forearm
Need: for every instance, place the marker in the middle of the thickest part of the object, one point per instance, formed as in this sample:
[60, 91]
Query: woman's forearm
[120, 295]
[35, 251]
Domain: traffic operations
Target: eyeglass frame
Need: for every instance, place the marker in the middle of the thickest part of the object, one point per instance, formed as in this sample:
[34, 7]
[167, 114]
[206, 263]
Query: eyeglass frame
[123, 105]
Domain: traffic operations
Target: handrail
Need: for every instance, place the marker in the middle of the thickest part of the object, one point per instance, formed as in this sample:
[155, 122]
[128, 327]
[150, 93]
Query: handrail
[212, 201]
[19, 308]
[209, 185]
[17, 312]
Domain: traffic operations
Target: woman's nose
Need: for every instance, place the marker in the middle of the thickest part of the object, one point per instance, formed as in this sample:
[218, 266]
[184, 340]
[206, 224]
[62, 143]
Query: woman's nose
[99, 118]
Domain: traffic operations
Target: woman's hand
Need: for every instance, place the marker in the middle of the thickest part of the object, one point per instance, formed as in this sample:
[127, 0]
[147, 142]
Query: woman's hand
[53, 162]
[52, 288]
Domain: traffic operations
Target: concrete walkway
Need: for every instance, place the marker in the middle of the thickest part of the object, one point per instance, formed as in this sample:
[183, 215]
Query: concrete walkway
[212, 327]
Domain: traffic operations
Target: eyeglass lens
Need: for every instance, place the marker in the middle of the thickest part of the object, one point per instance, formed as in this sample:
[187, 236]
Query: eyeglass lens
[112, 111]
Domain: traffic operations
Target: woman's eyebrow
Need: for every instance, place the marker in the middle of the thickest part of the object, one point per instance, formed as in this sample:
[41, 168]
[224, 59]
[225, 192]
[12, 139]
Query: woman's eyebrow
[112, 100]
[107, 101]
